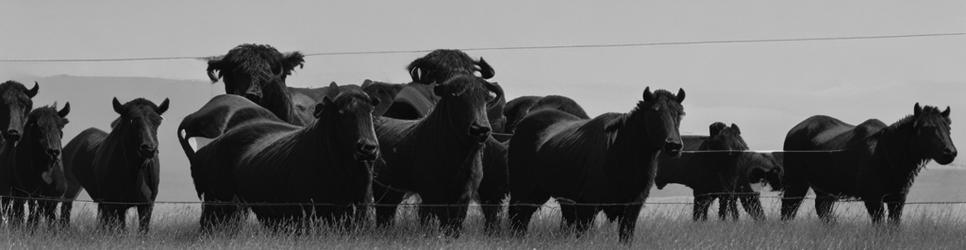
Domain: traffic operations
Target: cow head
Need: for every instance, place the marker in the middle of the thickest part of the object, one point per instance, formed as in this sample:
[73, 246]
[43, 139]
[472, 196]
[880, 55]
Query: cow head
[658, 115]
[931, 134]
[258, 73]
[464, 100]
[42, 140]
[138, 124]
[442, 64]
[15, 104]
[349, 114]
[384, 92]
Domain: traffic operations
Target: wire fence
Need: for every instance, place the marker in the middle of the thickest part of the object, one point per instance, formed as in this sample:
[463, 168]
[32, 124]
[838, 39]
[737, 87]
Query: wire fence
[560, 201]
[508, 48]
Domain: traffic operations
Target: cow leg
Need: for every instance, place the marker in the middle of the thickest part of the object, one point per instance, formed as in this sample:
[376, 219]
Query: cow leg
[144, 217]
[795, 190]
[521, 209]
[16, 211]
[823, 206]
[751, 202]
[360, 215]
[4, 206]
[102, 217]
[112, 217]
[568, 214]
[874, 207]
[491, 208]
[426, 212]
[701, 204]
[451, 219]
[727, 209]
[895, 204]
[585, 217]
[628, 221]
[49, 212]
[386, 201]
[5, 203]
[107, 217]
[119, 217]
[65, 208]
[34, 211]
[208, 218]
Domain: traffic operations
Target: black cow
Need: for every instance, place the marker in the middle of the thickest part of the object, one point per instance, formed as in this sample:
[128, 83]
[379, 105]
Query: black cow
[258, 73]
[119, 169]
[304, 99]
[417, 98]
[37, 169]
[870, 161]
[722, 172]
[442, 64]
[437, 157]
[590, 164]
[15, 104]
[519, 107]
[264, 160]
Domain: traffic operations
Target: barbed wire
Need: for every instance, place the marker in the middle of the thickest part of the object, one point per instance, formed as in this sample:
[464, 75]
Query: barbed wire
[505, 48]
[559, 201]
[762, 151]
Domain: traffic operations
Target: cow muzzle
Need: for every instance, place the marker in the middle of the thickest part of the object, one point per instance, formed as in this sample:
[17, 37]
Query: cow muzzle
[366, 151]
[479, 132]
[673, 148]
[147, 151]
[947, 157]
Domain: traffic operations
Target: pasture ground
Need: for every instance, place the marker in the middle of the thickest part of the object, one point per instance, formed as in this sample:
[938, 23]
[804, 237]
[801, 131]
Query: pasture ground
[661, 226]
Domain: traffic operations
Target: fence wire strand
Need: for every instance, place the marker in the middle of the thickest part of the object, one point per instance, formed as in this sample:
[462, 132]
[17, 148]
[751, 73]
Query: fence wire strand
[559, 201]
[505, 48]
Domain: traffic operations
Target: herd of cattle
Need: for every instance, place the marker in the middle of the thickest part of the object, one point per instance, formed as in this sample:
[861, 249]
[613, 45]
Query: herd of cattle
[295, 155]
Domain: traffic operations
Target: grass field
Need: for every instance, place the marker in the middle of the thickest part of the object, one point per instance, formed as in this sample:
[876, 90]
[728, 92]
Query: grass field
[661, 226]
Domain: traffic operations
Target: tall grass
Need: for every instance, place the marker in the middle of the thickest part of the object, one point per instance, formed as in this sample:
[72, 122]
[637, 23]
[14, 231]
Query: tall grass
[661, 226]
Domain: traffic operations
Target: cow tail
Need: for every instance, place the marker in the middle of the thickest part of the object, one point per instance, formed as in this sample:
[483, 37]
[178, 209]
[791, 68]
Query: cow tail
[196, 174]
[182, 138]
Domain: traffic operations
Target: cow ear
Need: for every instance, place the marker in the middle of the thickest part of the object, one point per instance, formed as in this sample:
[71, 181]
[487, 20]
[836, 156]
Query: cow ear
[680, 95]
[333, 90]
[366, 83]
[715, 128]
[215, 67]
[417, 70]
[163, 107]
[320, 107]
[486, 72]
[117, 106]
[736, 129]
[916, 110]
[648, 96]
[292, 60]
[33, 91]
[64, 111]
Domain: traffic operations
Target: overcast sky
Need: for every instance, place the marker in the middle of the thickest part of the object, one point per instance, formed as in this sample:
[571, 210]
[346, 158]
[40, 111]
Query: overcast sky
[765, 88]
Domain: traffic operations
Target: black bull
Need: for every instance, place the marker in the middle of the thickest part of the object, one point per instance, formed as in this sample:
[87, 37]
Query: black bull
[719, 170]
[869, 161]
[257, 158]
[119, 169]
[437, 157]
[588, 164]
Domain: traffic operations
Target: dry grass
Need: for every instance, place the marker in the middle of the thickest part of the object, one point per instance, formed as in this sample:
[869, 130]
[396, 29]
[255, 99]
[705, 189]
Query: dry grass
[660, 226]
